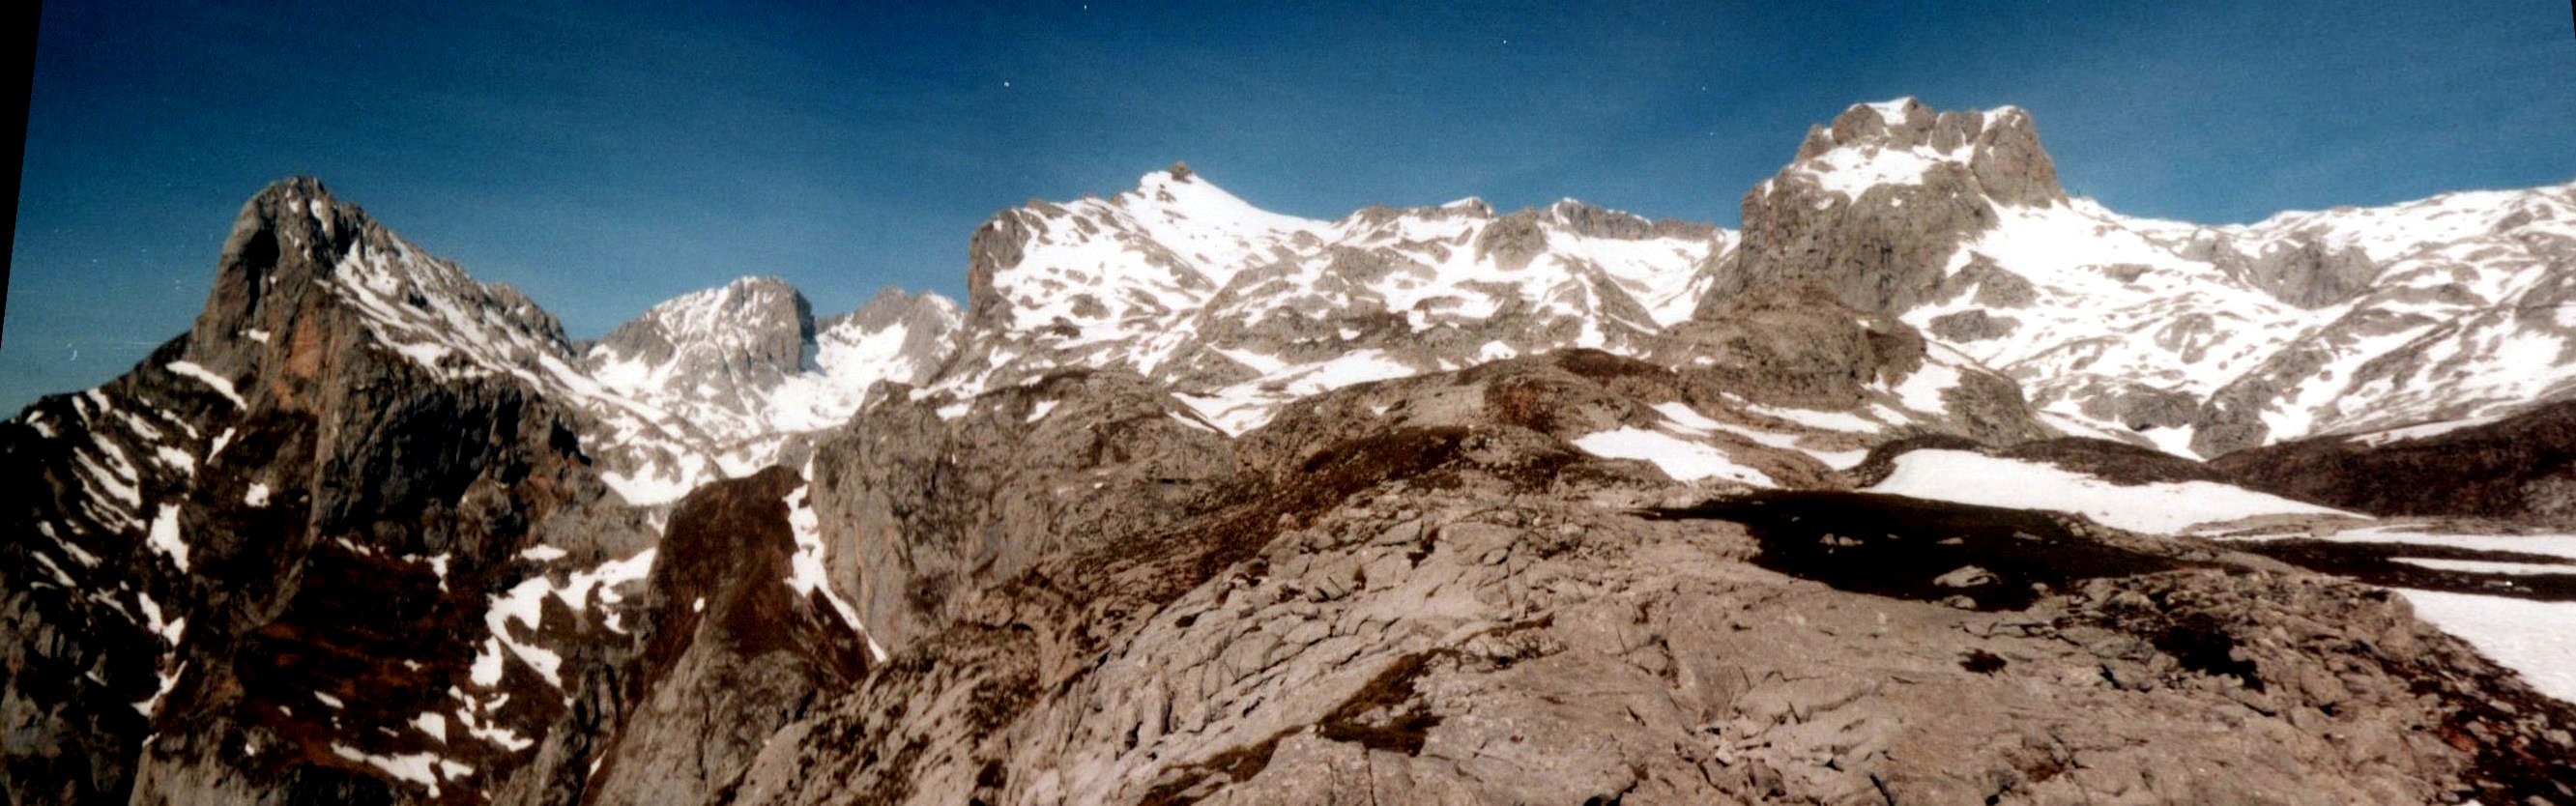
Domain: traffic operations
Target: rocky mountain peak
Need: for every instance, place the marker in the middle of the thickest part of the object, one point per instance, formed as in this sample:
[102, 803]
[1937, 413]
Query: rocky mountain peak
[283, 244]
[306, 278]
[1898, 140]
[753, 324]
[1212, 504]
[892, 305]
[1875, 203]
[897, 336]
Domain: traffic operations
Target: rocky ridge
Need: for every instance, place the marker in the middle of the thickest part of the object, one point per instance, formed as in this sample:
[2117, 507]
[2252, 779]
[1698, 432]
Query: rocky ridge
[2200, 340]
[750, 366]
[1419, 590]
[262, 564]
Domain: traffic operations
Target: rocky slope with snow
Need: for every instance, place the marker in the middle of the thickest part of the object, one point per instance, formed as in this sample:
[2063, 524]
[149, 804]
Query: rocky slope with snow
[371, 532]
[1448, 587]
[2198, 339]
[1187, 285]
[750, 367]
[1196, 502]
[302, 552]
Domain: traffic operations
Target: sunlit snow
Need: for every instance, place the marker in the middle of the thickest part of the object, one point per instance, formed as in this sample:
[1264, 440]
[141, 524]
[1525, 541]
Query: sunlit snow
[2163, 508]
[1679, 458]
[2535, 638]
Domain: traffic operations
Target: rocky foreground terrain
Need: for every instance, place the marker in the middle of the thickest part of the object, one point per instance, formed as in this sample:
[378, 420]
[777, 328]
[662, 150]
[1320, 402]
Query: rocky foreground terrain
[1931, 485]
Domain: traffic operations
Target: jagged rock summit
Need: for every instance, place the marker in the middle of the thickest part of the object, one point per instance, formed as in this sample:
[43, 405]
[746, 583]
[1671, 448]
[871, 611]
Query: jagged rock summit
[1874, 204]
[2198, 340]
[751, 368]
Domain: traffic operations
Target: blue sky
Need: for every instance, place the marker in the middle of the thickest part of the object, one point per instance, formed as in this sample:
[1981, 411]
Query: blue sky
[606, 156]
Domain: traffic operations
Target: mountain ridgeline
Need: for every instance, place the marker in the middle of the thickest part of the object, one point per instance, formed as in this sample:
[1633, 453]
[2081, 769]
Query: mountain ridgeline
[1194, 502]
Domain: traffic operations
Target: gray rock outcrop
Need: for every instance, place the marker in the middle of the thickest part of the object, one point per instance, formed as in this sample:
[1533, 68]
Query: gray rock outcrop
[1883, 248]
[1437, 605]
[735, 652]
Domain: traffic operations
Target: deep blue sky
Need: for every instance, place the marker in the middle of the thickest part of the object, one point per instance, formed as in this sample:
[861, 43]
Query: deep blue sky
[607, 156]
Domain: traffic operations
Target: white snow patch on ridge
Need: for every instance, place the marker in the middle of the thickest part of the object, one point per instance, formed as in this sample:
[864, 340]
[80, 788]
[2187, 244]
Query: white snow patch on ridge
[2378, 438]
[165, 536]
[2555, 545]
[525, 603]
[809, 574]
[211, 380]
[418, 768]
[2537, 639]
[2163, 508]
[2486, 566]
[1679, 458]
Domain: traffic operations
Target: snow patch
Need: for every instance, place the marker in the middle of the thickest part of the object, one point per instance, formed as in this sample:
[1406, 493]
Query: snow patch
[220, 384]
[2413, 432]
[2554, 545]
[2163, 508]
[2486, 566]
[165, 536]
[2537, 639]
[524, 603]
[1922, 390]
[433, 724]
[418, 768]
[169, 681]
[809, 575]
[1681, 459]
[1822, 420]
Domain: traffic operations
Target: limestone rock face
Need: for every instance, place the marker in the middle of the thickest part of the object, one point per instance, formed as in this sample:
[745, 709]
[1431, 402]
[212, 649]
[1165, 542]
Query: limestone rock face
[1794, 344]
[1441, 601]
[1874, 206]
[736, 651]
[924, 501]
[269, 547]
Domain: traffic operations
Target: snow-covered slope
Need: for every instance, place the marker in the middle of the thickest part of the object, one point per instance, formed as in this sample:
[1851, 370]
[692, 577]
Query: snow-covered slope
[2161, 507]
[748, 365]
[2222, 338]
[2194, 339]
[1187, 284]
[2197, 339]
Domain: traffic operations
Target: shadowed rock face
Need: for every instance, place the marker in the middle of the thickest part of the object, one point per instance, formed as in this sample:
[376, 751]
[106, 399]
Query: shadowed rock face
[735, 652]
[2520, 468]
[1999, 559]
[277, 508]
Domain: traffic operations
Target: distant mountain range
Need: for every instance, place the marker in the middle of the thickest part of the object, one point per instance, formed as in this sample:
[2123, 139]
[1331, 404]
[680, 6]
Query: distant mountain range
[1192, 501]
